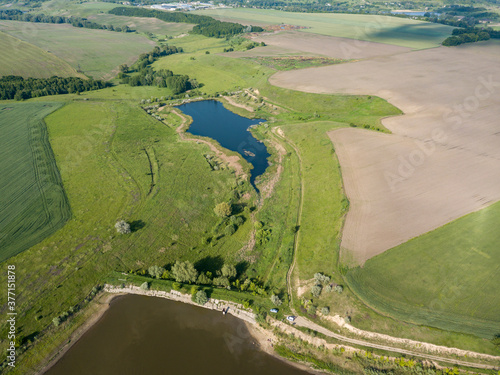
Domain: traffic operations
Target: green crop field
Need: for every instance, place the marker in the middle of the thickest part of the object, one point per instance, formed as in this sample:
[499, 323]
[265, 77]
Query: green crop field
[96, 53]
[447, 278]
[143, 25]
[32, 198]
[382, 29]
[24, 59]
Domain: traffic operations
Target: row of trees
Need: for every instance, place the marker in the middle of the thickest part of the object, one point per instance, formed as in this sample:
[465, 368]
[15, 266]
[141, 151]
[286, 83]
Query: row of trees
[185, 272]
[204, 25]
[17, 15]
[18, 88]
[470, 35]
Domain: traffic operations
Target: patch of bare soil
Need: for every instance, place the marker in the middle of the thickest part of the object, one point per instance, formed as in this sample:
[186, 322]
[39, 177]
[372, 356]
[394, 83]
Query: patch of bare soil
[443, 160]
[342, 48]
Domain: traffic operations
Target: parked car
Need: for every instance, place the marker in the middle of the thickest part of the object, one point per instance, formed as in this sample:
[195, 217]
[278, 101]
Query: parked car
[291, 318]
[274, 310]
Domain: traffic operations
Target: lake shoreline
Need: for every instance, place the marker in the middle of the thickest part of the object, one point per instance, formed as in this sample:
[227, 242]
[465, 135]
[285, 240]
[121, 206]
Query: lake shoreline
[264, 339]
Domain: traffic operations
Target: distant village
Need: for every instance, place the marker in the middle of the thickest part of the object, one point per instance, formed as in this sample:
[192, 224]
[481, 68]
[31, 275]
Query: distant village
[186, 6]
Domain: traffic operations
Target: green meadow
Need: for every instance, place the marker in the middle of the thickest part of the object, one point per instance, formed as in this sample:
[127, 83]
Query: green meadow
[32, 199]
[95, 53]
[24, 59]
[373, 28]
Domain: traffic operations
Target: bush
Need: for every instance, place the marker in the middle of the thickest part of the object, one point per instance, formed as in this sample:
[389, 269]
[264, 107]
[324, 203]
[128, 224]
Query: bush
[325, 310]
[145, 285]
[223, 209]
[156, 271]
[56, 321]
[184, 272]
[339, 289]
[321, 278]
[230, 230]
[176, 286]
[201, 297]
[311, 310]
[229, 271]
[276, 300]
[328, 288]
[221, 281]
[203, 279]
[122, 227]
[237, 220]
[194, 289]
[316, 290]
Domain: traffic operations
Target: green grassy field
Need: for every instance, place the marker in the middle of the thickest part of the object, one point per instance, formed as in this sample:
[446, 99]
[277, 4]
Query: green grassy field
[100, 148]
[33, 202]
[96, 53]
[143, 25]
[216, 72]
[382, 29]
[447, 278]
[23, 59]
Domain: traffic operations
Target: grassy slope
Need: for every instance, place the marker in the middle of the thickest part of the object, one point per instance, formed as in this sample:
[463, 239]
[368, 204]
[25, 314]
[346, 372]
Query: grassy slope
[33, 202]
[446, 278]
[97, 53]
[391, 30]
[99, 147]
[23, 59]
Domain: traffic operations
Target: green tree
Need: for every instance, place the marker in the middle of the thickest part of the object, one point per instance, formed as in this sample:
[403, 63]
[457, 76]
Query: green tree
[122, 227]
[156, 271]
[201, 297]
[222, 281]
[184, 272]
[275, 300]
[229, 271]
[145, 285]
[316, 290]
[325, 310]
[203, 279]
[223, 209]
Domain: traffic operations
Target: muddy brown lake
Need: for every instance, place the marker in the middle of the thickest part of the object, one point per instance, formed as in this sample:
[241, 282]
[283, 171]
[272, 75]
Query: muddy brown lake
[149, 335]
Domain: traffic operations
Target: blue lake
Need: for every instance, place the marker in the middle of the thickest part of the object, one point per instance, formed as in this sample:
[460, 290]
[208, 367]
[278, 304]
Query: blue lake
[211, 119]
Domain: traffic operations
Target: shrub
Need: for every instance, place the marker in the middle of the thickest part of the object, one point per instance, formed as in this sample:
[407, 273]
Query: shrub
[194, 289]
[145, 285]
[328, 288]
[316, 290]
[184, 272]
[230, 230]
[156, 271]
[201, 297]
[56, 321]
[229, 271]
[311, 310]
[325, 310]
[275, 300]
[176, 286]
[203, 279]
[321, 278]
[223, 209]
[165, 275]
[122, 227]
[221, 281]
[339, 289]
[237, 220]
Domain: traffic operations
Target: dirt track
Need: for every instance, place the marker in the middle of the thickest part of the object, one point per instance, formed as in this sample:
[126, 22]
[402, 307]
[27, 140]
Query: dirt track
[443, 160]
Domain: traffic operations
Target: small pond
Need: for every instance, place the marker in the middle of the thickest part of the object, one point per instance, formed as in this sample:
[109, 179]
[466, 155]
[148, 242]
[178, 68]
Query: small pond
[211, 119]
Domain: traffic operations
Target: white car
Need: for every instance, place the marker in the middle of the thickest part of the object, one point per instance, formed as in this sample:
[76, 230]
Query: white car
[291, 318]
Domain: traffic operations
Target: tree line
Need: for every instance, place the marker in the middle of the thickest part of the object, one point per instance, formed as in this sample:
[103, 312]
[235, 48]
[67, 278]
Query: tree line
[18, 88]
[146, 76]
[470, 35]
[204, 25]
[17, 15]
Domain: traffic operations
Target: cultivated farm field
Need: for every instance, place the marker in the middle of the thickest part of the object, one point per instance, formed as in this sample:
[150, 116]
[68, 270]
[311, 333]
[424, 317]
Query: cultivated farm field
[32, 199]
[447, 278]
[24, 59]
[95, 53]
[381, 29]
